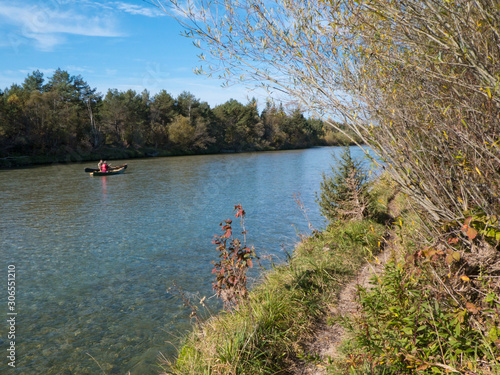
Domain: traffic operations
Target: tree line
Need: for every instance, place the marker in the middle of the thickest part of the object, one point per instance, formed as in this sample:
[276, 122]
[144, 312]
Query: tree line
[63, 114]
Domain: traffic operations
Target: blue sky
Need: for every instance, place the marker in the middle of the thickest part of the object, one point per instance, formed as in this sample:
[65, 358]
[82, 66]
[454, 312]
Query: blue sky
[111, 44]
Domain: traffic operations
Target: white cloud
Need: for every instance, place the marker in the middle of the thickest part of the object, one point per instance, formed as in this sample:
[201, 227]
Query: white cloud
[138, 10]
[47, 23]
[46, 72]
[46, 42]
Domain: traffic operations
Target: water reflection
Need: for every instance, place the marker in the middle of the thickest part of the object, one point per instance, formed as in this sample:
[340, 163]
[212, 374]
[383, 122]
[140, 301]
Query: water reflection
[104, 188]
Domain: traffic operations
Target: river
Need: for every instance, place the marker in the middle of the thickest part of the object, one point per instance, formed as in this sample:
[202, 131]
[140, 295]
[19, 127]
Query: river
[94, 257]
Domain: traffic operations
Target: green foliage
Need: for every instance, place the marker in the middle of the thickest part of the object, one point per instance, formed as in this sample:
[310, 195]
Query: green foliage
[181, 132]
[240, 125]
[484, 225]
[436, 311]
[64, 115]
[405, 329]
[343, 193]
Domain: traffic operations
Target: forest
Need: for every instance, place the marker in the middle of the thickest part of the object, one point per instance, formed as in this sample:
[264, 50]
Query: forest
[63, 118]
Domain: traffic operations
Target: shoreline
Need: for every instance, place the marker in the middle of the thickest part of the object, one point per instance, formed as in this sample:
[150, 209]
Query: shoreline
[26, 161]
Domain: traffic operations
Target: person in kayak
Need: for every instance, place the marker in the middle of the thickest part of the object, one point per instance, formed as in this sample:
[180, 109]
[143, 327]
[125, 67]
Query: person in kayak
[104, 166]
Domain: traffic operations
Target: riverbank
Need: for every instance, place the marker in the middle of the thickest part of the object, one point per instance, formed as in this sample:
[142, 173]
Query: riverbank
[111, 153]
[80, 157]
[361, 297]
[272, 332]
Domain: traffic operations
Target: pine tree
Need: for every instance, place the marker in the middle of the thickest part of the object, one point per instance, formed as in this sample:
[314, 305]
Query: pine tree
[343, 193]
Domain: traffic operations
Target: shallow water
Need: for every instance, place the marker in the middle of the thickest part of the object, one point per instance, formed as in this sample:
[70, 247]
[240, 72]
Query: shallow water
[95, 256]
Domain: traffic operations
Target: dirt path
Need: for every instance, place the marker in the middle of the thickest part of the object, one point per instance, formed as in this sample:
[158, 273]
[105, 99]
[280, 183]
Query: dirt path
[328, 337]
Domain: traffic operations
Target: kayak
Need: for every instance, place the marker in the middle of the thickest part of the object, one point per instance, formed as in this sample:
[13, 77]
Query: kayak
[88, 170]
[112, 171]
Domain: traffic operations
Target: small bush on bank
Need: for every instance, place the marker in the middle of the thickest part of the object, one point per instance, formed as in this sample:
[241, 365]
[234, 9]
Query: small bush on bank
[235, 259]
[343, 193]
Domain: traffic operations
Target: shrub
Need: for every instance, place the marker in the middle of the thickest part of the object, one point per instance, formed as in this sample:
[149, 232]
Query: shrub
[404, 328]
[235, 259]
[343, 193]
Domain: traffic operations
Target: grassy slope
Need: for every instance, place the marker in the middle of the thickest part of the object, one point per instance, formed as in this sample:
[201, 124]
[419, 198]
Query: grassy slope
[412, 320]
[267, 335]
